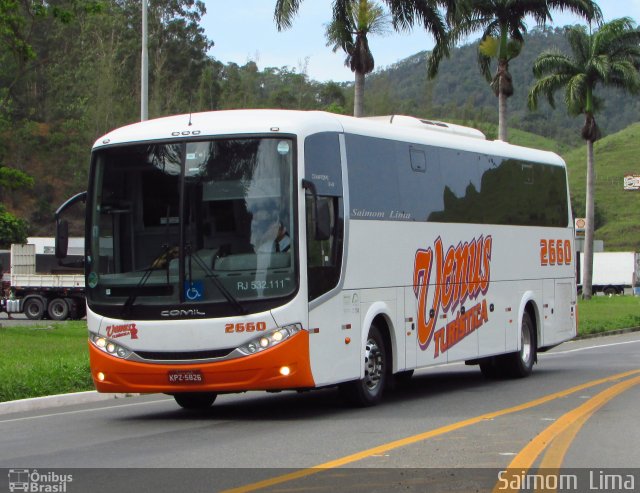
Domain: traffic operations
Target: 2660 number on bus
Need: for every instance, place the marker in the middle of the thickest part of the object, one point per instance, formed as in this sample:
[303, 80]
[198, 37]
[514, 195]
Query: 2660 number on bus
[245, 327]
[555, 252]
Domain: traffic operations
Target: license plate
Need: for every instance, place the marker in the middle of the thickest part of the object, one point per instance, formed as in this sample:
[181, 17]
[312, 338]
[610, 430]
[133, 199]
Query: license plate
[185, 377]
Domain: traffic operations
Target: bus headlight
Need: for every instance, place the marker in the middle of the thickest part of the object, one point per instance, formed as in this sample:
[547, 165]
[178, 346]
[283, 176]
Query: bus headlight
[270, 339]
[108, 346]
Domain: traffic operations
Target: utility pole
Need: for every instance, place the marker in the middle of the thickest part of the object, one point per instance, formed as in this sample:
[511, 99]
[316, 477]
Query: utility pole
[144, 71]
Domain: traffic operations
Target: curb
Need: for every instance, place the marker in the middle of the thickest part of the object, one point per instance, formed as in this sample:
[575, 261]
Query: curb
[53, 401]
[615, 332]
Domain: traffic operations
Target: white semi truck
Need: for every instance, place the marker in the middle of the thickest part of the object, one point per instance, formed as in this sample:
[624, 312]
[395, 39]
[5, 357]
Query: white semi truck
[613, 272]
[57, 295]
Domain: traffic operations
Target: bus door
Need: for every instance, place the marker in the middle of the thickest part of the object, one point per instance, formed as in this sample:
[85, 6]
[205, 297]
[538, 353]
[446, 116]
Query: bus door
[559, 316]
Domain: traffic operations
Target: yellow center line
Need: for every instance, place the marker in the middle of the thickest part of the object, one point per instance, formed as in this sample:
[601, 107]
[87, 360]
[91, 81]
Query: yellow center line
[554, 456]
[380, 449]
[564, 430]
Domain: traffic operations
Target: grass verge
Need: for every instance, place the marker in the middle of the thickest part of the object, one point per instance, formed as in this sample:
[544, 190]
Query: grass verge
[52, 358]
[604, 313]
[46, 359]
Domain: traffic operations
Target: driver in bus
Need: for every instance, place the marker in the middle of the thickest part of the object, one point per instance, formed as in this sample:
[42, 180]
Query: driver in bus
[268, 231]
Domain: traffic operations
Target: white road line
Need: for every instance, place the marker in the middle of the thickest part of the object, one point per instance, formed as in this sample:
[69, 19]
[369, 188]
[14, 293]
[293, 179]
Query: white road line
[588, 348]
[79, 411]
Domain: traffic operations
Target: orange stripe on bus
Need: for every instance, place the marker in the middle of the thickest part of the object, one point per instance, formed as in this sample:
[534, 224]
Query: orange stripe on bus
[256, 372]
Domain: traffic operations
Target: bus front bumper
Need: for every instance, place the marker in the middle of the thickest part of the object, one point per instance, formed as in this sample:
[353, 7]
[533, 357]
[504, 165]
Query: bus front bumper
[285, 366]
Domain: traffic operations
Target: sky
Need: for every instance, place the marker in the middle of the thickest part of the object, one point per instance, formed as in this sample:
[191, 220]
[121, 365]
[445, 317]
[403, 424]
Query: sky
[244, 30]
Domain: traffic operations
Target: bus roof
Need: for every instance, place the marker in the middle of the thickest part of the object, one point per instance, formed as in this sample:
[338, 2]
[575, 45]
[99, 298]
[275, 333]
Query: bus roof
[263, 121]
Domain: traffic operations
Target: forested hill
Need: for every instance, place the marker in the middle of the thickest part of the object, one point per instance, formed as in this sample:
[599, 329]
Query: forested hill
[460, 92]
[70, 72]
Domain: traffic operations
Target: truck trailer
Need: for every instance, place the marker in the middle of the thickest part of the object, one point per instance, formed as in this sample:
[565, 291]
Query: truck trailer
[613, 272]
[57, 294]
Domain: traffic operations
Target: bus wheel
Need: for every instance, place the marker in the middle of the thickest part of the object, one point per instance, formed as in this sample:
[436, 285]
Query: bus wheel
[58, 309]
[368, 391]
[491, 368]
[33, 309]
[520, 364]
[195, 400]
[398, 380]
[82, 308]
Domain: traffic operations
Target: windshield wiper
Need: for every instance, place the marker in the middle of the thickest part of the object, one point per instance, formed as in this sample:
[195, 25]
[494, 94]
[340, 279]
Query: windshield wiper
[209, 274]
[165, 257]
[126, 308]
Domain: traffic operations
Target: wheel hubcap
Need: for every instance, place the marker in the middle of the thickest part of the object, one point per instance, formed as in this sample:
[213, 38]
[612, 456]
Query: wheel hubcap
[373, 365]
[525, 352]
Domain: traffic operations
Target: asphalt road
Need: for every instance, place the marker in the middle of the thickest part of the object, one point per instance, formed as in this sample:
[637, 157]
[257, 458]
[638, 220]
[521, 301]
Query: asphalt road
[448, 429]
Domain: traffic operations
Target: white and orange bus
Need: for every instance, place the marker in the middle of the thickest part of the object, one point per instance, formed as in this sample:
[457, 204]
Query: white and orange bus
[268, 250]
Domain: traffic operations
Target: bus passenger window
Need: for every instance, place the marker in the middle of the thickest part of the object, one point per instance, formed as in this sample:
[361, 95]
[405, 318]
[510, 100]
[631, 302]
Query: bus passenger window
[418, 160]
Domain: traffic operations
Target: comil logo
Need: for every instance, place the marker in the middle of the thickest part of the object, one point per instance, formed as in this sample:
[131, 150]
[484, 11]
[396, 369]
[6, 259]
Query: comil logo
[38, 482]
[462, 273]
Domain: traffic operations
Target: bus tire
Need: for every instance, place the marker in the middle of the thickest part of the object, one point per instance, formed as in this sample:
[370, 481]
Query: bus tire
[33, 308]
[520, 364]
[195, 400]
[82, 308]
[58, 309]
[368, 391]
[492, 368]
[399, 380]
[73, 308]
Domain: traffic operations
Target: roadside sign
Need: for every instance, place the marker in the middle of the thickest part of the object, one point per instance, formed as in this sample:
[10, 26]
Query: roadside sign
[632, 182]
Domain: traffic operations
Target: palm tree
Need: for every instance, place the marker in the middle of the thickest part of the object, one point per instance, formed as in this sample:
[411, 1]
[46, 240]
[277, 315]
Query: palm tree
[361, 19]
[404, 13]
[609, 57]
[502, 23]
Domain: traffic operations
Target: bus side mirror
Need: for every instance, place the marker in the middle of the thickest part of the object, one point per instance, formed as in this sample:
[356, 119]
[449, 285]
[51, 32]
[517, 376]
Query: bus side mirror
[62, 226]
[320, 213]
[62, 238]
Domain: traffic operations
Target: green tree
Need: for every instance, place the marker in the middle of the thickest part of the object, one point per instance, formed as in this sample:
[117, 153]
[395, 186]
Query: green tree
[432, 14]
[359, 19]
[209, 88]
[502, 23]
[331, 97]
[12, 229]
[404, 13]
[22, 24]
[608, 57]
[14, 179]
[177, 54]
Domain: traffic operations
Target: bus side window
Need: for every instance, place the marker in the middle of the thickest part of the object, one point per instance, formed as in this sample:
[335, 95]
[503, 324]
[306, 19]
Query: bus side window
[324, 256]
[418, 160]
[323, 167]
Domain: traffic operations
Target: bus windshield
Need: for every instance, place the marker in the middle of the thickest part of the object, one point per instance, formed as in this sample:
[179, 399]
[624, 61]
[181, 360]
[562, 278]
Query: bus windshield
[208, 224]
